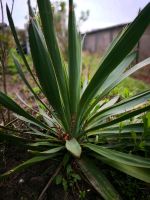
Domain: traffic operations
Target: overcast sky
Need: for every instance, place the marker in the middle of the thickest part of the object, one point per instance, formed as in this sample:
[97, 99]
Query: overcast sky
[103, 13]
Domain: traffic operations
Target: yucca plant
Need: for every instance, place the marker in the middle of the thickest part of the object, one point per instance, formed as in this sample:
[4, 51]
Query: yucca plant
[77, 123]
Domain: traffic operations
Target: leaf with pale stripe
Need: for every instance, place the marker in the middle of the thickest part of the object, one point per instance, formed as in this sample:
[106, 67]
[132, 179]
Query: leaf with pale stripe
[98, 180]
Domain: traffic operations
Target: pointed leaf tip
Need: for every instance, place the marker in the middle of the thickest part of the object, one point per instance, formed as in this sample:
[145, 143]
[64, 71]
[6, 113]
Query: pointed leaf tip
[74, 147]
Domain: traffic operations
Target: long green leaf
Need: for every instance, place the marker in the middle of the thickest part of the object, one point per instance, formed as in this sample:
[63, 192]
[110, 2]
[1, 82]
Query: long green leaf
[110, 103]
[74, 62]
[114, 42]
[14, 139]
[45, 70]
[128, 159]
[119, 119]
[46, 16]
[26, 164]
[137, 172]
[119, 79]
[18, 141]
[124, 45]
[119, 70]
[11, 105]
[19, 69]
[124, 75]
[110, 80]
[98, 180]
[48, 152]
[123, 106]
[117, 130]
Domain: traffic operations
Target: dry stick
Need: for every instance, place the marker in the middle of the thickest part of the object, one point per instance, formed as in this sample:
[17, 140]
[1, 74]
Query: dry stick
[11, 122]
[3, 55]
[13, 130]
[3, 118]
[50, 181]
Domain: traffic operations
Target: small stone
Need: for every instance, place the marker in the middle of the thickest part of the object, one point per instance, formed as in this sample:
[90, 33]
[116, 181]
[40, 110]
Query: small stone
[21, 181]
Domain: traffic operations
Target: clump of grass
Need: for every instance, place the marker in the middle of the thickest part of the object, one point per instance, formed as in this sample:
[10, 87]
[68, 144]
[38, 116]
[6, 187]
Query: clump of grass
[129, 87]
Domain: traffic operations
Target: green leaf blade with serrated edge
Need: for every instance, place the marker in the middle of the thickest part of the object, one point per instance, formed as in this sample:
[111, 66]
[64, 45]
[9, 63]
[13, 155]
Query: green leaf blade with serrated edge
[98, 180]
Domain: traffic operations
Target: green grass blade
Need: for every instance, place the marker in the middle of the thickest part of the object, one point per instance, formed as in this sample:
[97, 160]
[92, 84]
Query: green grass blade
[74, 44]
[120, 50]
[11, 105]
[46, 16]
[128, 159]
[97, 179]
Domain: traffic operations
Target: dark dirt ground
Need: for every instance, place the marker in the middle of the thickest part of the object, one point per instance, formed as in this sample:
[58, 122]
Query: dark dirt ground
[28, 184]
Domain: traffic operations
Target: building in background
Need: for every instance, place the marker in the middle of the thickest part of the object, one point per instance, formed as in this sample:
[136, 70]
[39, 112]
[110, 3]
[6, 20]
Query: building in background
[98, 41]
